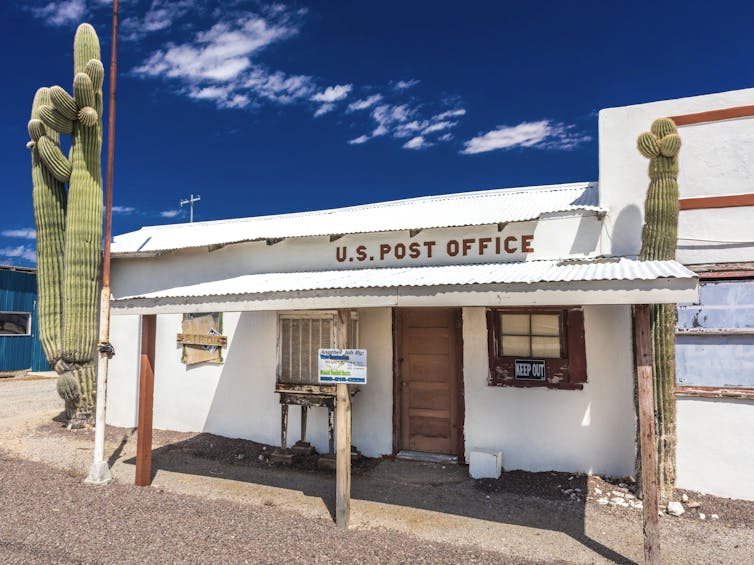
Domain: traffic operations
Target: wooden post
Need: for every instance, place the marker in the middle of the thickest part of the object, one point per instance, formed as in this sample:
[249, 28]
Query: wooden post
[146, 402]
[343, 434]
[647, 435]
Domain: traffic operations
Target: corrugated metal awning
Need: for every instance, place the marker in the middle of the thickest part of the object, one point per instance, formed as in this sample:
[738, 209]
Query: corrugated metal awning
[451, 210]
[609, 281]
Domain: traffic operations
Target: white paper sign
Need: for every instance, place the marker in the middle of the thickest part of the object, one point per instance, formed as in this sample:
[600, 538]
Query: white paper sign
[347, 366]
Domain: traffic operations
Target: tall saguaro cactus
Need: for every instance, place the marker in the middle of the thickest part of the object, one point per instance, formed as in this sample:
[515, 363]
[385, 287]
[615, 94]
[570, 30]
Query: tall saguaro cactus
[658, 242]
[69, 225]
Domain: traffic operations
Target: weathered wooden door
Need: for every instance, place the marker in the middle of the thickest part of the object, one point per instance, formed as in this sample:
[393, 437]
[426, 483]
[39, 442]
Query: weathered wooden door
[428, 379]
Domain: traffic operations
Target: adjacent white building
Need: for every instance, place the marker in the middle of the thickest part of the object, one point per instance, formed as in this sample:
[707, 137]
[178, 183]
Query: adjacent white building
[496, 319]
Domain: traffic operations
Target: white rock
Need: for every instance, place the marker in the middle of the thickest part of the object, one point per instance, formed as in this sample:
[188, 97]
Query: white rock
[702, 516]
[685, 497]
[597, 491]
[617, 500]
[622, 485]
[603, 501]
[619, 493]
[675, 508]
[715, 517]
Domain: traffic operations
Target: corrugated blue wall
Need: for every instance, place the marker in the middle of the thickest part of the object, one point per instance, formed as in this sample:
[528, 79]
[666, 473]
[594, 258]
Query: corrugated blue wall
[18, 293]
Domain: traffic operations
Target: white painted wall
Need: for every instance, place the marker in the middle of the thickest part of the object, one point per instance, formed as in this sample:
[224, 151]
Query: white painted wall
[715, 159]
[237, 398]
[592, 430]
[715, 452]
[123, 371]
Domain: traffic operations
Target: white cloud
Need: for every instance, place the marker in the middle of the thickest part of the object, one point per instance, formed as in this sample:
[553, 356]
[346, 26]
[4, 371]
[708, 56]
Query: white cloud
[24, 233]
[365, 103]
[333, 93]
[125, 210]
[417, 142]
[359, 140]
[169, 213]
[324, 109]
[219, 54]
[160, 15]
[438, 126]
[457, 113]
[544, 134]
[20, 252]
[64, 12]
[404, 84]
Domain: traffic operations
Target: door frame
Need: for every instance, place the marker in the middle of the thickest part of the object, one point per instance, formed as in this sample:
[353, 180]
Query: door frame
[460, 397]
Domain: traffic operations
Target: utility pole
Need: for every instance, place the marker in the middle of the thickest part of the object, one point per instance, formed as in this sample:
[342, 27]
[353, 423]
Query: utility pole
[190, 202]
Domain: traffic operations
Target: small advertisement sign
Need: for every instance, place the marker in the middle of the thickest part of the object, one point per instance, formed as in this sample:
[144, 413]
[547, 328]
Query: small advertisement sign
[347, 366]
[530, 370]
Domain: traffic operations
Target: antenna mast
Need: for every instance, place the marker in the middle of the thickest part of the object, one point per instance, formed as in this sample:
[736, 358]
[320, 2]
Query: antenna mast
[190, 202]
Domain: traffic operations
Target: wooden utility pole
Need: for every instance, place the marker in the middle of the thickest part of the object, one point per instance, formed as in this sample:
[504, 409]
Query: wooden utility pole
[99, 472]
[647, 435]
[146, 402]
[343, 434]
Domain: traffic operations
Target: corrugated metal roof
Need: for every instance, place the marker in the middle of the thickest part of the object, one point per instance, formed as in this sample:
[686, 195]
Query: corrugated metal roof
[530, 272]
[452, 210]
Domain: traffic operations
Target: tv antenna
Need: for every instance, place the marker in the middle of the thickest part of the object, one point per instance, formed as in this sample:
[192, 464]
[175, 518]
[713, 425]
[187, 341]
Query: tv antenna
[190, 203]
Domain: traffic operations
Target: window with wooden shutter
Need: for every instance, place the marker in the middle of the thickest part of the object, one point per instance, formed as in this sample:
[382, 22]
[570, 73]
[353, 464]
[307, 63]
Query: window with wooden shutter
[541, 347]
[300, 336]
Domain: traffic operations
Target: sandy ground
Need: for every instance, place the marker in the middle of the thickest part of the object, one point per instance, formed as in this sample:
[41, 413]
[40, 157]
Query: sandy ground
[430, 503]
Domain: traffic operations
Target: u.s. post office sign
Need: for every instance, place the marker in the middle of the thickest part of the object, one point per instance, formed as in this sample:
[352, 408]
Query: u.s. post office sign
[342, 366]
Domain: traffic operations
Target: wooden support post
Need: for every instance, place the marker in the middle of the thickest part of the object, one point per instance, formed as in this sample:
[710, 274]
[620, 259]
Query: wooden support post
[647, 435]
[284, 426]
[146, 402]
[343, 435]
[304, 417]
[331, 430]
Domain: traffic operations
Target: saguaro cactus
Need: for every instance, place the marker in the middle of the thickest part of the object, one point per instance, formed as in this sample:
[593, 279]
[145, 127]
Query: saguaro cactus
[658, 242]
[69, 225]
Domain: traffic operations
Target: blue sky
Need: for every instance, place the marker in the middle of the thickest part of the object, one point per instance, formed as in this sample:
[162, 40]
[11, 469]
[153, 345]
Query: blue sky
[267, 108]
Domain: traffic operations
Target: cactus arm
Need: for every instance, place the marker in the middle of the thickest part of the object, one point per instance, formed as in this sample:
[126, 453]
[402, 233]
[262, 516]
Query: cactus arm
[63, 102]
[49, 199]
[55, 120]
[53, 159]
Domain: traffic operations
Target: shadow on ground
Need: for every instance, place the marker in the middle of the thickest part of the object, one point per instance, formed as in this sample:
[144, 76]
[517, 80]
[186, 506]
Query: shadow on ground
[533, 500]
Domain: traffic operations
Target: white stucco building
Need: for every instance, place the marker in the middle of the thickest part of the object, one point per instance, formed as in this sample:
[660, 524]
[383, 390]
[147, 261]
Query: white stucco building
[495, 319]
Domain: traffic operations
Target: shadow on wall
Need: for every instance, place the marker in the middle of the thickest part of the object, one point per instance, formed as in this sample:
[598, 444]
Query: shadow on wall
[244, 402]
[625, 236]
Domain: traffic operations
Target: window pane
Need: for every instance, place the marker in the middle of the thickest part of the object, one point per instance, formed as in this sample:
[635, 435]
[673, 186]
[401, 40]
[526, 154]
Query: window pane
[545, 324]
[14, 323]
[548, 347]
[515, 324]
[516, 346]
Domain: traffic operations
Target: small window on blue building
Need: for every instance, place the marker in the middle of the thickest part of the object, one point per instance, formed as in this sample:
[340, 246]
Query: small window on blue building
[15, 323]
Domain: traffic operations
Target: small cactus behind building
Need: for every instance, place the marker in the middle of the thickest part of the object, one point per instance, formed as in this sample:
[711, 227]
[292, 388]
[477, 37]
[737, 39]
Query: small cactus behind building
[69, 224]
[658, 243]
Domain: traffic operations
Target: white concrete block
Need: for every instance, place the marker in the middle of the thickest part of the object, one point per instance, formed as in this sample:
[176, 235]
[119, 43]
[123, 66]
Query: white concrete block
[485, 463]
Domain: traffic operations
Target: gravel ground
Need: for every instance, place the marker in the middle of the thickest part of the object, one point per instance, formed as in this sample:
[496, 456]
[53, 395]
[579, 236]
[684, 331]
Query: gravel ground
[52, 517]
[207, 489]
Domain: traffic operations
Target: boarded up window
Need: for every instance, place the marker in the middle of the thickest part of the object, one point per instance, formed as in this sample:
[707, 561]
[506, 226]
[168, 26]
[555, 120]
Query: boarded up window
[714, 344]
[196, 327]
[300, 336]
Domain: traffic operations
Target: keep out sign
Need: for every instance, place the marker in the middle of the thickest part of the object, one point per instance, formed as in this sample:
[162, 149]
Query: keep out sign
[467, 247]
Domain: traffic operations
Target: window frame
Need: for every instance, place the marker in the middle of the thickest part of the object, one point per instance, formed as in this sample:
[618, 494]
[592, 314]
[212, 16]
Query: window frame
[567, 372]
[332, 315]
[28, 323]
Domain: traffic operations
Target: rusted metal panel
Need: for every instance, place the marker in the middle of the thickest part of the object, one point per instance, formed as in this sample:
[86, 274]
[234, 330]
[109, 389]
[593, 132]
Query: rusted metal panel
[715, 338]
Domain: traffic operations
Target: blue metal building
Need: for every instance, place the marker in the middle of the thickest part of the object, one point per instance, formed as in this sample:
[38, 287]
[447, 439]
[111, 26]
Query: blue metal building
[20, 348]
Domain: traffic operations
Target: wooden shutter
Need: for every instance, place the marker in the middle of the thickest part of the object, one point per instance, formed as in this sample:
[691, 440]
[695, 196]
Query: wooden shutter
[576, 346]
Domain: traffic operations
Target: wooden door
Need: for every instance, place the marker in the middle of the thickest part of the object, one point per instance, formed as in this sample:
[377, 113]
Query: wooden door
[428, 379]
